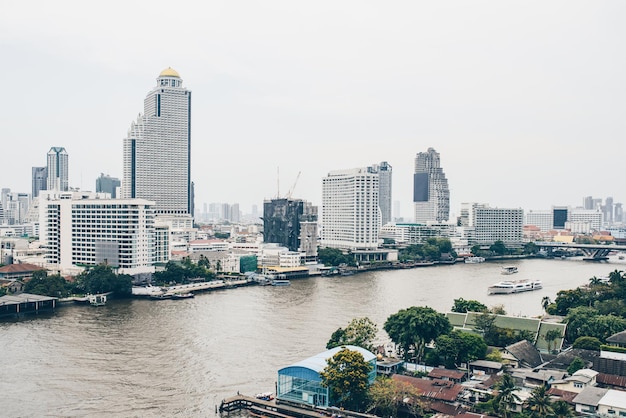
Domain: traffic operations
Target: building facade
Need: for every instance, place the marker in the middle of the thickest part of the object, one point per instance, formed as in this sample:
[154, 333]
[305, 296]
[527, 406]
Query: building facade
[157, 149]
[86, 229]
[291, 223]
[107, 184]
[485, 225]
[39, 180]
[58, 169]
[350, 209]
[431, 194]
[384, 191]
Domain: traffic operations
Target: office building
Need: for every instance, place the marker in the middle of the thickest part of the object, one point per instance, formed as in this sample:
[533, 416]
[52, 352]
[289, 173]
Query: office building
[350, 209]
[157, 149]
[86, 229]
[562, 217]
[39, 180]
[58, 169]
[107, 184]
[431, 195]
[485, 225]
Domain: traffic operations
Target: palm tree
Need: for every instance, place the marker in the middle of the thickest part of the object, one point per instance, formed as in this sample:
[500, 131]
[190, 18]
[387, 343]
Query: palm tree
[562, 410]
[539, 402]
[545, 302]
[506, 395]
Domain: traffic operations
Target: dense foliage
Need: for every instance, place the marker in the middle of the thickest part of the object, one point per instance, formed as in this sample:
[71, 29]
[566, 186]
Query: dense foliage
[360, 332]
[45, 285]
[102, 279]
[432, 250]
[411, 329]
[182, 273]
[460, 347]
[461, 305]
[347, 377]
[335, 257]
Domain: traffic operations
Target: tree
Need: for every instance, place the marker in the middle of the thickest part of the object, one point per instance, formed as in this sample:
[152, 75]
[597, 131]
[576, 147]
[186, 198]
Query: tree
[53, 286]
[460, 347]
[347, 377]
[101, 279]
[575, 365]
[531, 248]
[462, 305]
[587, 343]
[545, 302]
[576, 318]
[505, 396]
[551, 336]
[539, 402]
[360, 332]
[386, 396]
[499, 248]
[497, 309]
[562, 409]
[413, 328]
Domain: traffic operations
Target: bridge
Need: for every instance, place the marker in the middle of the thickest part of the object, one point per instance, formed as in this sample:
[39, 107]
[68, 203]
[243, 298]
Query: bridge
[593, 252]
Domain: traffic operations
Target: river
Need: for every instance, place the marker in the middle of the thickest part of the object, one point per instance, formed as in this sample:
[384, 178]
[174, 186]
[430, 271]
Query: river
[181, 357]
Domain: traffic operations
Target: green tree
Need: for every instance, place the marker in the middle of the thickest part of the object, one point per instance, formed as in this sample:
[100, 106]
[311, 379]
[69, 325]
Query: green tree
[360, 332]
[587, 343]
[43, 284]
[460, 347]
[462, 305]
[505, 396]
[530, 248]
[347, 377]
[102, 279]
[575, 365]
[562, 409]
[411, 329]
[576, 319]
[499, 248]
[539, 402]
[334, 257]
[545, 302]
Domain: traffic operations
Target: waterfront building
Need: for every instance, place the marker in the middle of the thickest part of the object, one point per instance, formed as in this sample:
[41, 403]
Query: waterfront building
[431, 195]
[107, 184]
[411, 234]
[384, 191]
[157, 149]
[87, 229]
[58, 169]
[486, 225]
[565, 218]
[350, 209]
[300, 382]
[39, 180]
[291, 223]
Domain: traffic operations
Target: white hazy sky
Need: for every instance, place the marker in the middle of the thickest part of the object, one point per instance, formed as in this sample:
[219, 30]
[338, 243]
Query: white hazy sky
[524, 100]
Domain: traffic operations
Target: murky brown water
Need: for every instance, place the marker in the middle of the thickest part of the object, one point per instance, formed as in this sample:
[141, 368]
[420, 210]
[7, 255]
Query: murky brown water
[147, 358]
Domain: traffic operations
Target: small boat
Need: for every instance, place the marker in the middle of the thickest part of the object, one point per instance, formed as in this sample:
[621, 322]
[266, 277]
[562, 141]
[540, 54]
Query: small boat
[474, 260]
[266, 396]
[162, 296]
[187, 295]
[281, 282]
[97, 300]
[508, 286]
[509, 270]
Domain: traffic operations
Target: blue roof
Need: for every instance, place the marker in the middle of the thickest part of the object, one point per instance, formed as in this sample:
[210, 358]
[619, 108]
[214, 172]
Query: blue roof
[318, 362]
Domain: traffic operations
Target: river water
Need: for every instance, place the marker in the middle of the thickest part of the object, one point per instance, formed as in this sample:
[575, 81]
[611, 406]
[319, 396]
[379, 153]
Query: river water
[182, 357]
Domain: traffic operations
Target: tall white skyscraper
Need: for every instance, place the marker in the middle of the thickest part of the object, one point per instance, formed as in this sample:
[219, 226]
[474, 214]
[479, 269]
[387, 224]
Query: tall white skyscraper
[431, 195]
[58, 169]
[157, 149]
[350, 209]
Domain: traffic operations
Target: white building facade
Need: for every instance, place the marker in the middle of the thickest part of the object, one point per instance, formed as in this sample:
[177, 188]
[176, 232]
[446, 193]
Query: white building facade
[157, 149]
[58, 169]
[350, 211]
[86, 229]
[485, 225]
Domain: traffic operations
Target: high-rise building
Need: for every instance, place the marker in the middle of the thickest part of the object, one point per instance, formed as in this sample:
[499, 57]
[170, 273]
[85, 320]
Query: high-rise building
[58, 169]
[157, 149]
[431, 195]
[39, 179]
[487, 225]
[384, 191]
[350, 209]
[107, 184]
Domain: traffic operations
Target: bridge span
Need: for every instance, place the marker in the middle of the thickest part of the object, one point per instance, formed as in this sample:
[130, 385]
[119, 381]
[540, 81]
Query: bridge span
[593, 252]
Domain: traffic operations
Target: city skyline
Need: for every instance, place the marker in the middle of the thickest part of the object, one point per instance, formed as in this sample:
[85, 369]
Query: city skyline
[513, 97]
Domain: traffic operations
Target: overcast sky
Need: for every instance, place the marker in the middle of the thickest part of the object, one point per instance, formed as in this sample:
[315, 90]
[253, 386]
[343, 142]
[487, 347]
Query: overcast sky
[524, 100]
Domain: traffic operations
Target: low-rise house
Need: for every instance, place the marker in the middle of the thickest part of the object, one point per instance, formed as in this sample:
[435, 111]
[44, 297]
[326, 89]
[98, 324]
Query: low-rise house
[565, 358]
[485, 367]
[455, 376]
[611, 381]
[587, 401]
[12, 286]
[21, 272]
[433, 390]
[578, 381]
[533, 378]
[562, 395]
[525, 353]
[613, 403]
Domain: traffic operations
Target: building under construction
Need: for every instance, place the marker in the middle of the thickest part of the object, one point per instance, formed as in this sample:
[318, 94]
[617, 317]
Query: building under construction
[291, 223]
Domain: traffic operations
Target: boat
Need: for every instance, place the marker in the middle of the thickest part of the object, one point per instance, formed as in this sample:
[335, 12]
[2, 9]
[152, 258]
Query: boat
[509, 270]
[162, 296]
[266, 396]
[509, 286]
[97, 300]
[281, 282]
[186, 295]
[474, 260]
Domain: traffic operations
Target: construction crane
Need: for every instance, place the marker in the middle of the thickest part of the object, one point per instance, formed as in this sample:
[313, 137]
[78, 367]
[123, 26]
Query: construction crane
[288, 195]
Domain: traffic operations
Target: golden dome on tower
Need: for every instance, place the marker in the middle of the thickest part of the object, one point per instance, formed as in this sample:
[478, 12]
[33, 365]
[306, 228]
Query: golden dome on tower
[169, 72]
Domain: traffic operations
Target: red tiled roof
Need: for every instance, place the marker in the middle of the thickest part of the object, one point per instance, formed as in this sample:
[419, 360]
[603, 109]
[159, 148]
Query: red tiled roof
[432, 389]
[565, 395]
[20, 268]
[438, 373]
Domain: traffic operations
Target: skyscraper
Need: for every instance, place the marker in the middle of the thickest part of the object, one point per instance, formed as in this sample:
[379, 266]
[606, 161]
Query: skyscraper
[58, 169]
[40, 180]
[431, 195]
[384, 191]
[283, 219]
[157, 149]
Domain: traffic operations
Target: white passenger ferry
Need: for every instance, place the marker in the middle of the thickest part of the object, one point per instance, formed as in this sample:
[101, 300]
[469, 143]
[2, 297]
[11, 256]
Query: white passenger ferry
[509, 286]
